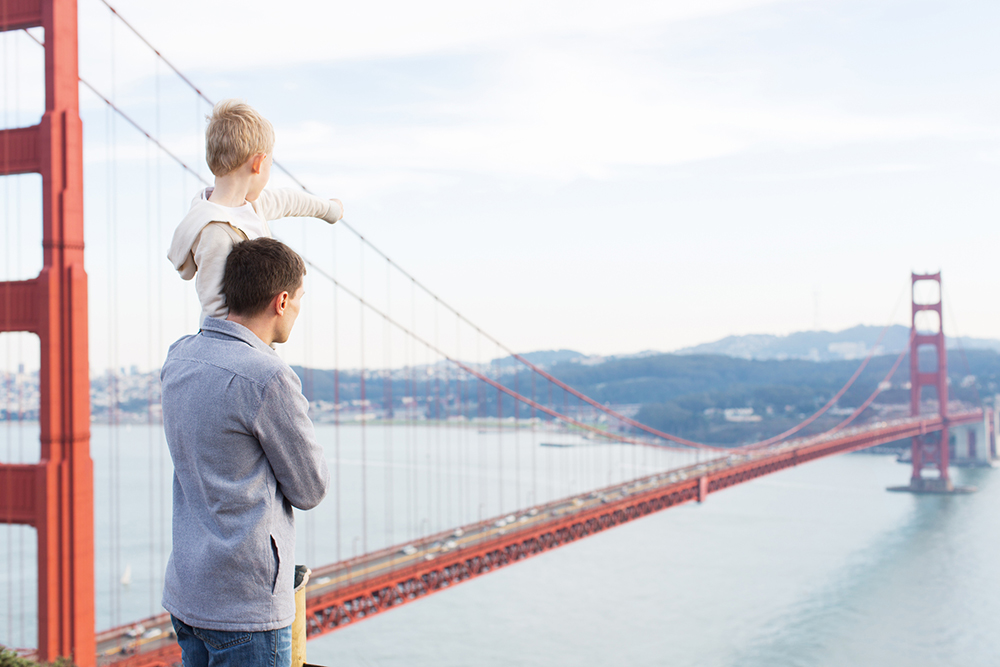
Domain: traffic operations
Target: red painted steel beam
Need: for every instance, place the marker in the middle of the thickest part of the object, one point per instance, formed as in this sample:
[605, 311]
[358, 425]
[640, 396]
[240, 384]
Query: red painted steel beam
[54, 306]
[19, 151]
[19, 498]
[20, 306]
[20, 14]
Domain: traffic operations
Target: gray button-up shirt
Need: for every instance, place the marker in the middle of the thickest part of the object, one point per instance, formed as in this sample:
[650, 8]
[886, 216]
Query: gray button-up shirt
[244, 453]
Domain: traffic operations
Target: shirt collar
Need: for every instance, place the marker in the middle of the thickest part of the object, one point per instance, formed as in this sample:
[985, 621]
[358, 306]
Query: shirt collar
[228, 328]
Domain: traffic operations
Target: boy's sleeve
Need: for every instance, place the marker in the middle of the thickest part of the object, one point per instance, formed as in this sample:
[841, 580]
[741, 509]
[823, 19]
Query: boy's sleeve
[210, 253]
[290, 202]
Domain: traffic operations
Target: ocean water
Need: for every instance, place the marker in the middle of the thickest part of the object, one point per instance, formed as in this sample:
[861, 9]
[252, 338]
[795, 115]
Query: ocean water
[816, 565]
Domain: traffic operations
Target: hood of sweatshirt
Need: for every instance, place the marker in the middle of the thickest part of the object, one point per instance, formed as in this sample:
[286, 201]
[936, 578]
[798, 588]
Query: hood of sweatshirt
[202, 213]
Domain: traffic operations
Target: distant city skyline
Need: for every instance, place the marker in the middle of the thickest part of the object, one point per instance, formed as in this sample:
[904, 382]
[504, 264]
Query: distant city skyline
[853, 343]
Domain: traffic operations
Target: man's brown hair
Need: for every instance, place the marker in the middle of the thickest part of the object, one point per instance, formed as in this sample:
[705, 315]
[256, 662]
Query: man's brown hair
[257, 271]
[235, 133]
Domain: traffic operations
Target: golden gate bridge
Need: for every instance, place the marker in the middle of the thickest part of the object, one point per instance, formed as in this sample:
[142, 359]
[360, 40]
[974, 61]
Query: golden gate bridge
[55, 495]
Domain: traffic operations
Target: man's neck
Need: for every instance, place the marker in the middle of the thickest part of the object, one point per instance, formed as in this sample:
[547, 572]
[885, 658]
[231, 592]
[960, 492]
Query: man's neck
[262, 327]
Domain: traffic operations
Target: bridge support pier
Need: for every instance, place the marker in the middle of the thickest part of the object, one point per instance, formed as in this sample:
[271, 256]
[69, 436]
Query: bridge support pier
[702, 488]
[973, 445]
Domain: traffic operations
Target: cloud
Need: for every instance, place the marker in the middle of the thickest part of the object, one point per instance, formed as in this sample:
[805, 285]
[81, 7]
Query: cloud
[555, 91]
[256, 33]
[564, 111]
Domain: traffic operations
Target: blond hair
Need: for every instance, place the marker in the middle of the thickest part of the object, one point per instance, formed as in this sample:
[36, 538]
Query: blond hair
[235, 133]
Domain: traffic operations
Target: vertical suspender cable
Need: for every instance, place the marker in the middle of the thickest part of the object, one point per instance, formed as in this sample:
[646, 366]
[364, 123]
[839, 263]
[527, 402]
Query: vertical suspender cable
[480, 439]
[567, 465]
[387, 394]
[461, 432]
[159, 285]
[496, 365]
[428, 414]
[550, 453]
[411, 411]
[150, 374]
[437, 442]
[445, 422]
[449, 468]
[517, 448]
[364, 444]
[407, 440]
[336, 402]
[113, 284]
[534, 446]
[437, 421]
[309, 382]
[20, 458]
[635, 455]
[109, 206]
[611, 462]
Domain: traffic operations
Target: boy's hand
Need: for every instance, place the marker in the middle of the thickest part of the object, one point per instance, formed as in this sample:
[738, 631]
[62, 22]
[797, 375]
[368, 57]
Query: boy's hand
[340, 204]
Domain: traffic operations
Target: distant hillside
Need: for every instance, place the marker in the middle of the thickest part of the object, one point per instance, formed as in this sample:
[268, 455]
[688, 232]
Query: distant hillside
[724, 381]
[709, 398]
[543, 358]
[853, 343]
[727, 400]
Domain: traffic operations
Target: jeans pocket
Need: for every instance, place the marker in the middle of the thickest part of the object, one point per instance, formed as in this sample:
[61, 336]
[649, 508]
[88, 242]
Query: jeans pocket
[222, 639]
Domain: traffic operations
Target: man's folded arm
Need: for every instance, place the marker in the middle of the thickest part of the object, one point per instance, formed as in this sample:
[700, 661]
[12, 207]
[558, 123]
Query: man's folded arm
[286, 433]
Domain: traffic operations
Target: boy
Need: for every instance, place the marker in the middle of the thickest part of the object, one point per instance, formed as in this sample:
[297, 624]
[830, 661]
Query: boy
[238, 146]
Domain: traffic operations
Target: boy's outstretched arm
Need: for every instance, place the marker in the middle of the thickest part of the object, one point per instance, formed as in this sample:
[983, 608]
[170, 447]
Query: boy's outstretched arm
[291, 202]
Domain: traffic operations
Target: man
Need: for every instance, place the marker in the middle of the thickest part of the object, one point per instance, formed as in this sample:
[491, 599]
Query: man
[245, 453]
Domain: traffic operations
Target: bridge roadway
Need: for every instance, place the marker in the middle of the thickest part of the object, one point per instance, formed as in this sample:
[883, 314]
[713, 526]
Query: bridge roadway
[346, 592]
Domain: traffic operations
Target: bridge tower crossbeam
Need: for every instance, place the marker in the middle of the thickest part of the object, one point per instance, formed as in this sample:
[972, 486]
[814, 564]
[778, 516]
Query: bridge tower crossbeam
[56, 495]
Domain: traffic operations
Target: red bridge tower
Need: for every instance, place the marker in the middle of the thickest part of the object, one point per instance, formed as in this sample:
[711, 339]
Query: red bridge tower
[56, 495]
[929, 449]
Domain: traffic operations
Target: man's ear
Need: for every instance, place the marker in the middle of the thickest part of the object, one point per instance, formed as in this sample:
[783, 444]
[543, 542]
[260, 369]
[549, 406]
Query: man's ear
[281, 302]
[257, 163]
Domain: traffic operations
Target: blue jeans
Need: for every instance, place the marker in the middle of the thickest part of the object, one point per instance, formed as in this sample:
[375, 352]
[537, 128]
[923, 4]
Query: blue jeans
[225, 648]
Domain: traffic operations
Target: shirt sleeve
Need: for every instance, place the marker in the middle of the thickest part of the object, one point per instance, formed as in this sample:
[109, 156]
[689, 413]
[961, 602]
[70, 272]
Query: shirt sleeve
[286, 434]
[291, 202]
[210, 253]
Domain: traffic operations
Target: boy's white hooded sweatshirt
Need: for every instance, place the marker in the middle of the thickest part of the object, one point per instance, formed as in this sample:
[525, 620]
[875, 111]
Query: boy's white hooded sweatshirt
[209, 231]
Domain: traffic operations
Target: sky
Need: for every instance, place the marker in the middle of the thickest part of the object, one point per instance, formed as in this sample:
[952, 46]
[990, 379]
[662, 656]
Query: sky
[609, 177]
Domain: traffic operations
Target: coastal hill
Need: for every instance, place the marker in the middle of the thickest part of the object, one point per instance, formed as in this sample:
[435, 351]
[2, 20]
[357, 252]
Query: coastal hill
[853, 343]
